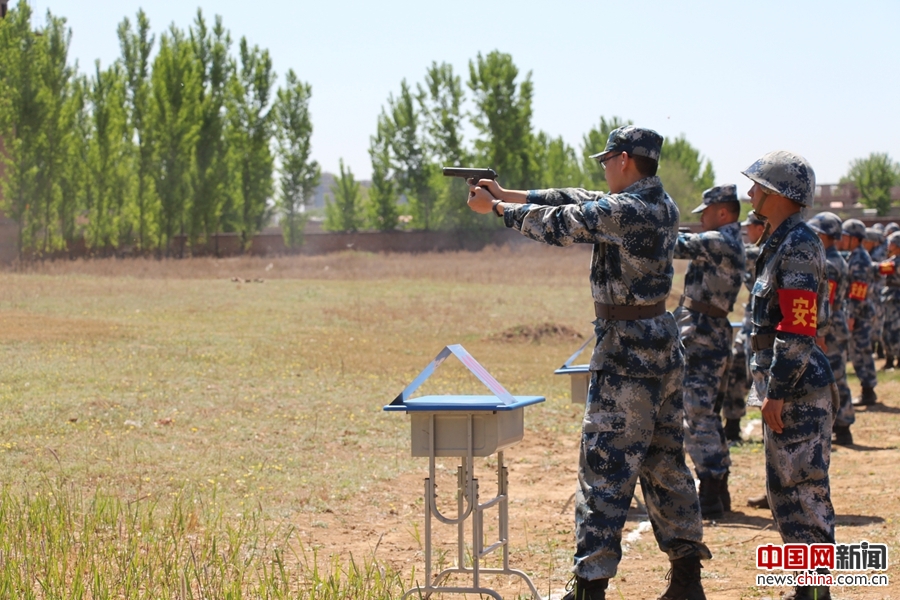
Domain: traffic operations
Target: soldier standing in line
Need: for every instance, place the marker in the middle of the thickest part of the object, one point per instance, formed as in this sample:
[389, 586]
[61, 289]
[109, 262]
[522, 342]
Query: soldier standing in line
[792, 379]
[890, 296]
[859, 309]
[711, 286]
[734, 394]
[837, 336]
[874, 245]
[633, 421]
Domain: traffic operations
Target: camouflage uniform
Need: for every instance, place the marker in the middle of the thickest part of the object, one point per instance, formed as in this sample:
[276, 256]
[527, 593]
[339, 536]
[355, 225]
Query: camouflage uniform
[734, 404]
[789, 299]
[877, 254]
[632, 425]
[890, 298]
[711, 285]
[860, 309]
[837, 335]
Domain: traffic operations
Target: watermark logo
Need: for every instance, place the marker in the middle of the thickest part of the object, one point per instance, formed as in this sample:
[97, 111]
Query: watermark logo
[863, 556]
[815, 564]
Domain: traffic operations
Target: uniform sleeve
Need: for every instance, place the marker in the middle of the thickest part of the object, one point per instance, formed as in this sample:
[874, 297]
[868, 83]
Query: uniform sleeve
[857, 303]
[579, 217]
[800, 296]
[690, 246]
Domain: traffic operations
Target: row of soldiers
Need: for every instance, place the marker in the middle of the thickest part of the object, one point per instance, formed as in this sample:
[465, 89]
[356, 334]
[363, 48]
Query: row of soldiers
[863, 274]
[655, 375]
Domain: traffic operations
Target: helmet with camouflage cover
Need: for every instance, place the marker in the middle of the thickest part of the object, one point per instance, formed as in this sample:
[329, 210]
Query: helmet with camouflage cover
[787, 174]
[826, 223]
[854, 228]
[894, 239]
[891, 228]
[873, 235]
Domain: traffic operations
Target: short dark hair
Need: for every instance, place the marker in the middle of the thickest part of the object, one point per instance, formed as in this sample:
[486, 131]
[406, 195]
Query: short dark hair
[645, 166]
[734, 208]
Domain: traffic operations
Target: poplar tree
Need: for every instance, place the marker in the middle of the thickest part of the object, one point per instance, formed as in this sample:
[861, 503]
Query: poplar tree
[174, 117]
[441, 100]
[107, 167]
[142, 209]
[413, 168]
[343, 208]
[22, 114]
[382, 210]
[210, 176]
[299, 174]
[58, 108]
[503, 119]
[251, 160]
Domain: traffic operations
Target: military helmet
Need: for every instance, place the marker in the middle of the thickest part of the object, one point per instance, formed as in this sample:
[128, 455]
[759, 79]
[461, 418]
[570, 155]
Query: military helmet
[854, 228]
[891, 228]
[894, 238]
[787, 174]
[873, 235]
[826, 223]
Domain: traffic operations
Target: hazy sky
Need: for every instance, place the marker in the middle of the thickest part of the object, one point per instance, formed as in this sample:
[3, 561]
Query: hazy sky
[821, 78]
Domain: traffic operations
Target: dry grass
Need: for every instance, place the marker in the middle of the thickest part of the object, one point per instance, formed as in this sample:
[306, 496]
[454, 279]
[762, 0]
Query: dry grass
[147, 383]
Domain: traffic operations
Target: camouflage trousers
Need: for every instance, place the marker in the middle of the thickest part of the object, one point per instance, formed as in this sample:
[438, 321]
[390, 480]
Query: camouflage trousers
[836, 342]
[707, 350]
[878, 319]
[861, 352]
[891, 334]
[736, 382]
[632, 430]
[797, 461]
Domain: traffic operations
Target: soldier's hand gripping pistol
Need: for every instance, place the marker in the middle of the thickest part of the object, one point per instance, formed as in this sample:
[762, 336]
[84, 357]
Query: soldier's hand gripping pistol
[472, 176]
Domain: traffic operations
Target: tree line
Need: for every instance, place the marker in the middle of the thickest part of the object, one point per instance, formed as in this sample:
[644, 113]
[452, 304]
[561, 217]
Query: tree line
[137, 153]
[422, 128]
[199, 140]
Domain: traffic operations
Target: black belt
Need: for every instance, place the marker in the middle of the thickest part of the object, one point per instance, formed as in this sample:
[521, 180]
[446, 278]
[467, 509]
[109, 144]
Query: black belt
[622, 312]
[762, 341]
[702, 307]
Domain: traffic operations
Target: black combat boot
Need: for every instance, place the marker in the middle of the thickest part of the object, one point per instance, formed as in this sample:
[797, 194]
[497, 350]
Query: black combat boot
[879, 349]
[586, 589]
[710, 502]
[733, 430]
[888, 362]
[724, 494]
[868, 396]
[842, 435]
[684, 580]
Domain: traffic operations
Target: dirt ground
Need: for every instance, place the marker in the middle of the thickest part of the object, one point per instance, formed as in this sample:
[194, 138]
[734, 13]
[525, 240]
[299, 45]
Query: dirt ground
[542, 475]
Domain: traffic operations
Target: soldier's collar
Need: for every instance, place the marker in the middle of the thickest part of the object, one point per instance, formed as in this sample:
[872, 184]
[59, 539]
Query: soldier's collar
[643, 184]
[783, 229]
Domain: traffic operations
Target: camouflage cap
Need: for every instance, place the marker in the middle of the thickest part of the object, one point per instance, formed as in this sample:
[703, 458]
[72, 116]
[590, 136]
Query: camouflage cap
[826, 223]
[752, 219]
[854, 228]
[717, 195]
[894, 239]
[787, 174]
[891, 228]
[636, 141]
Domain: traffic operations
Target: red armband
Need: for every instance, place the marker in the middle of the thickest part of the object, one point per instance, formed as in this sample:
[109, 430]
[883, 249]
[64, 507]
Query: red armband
[832, 289]
[801, 312]
[858, 290]
[887, 267]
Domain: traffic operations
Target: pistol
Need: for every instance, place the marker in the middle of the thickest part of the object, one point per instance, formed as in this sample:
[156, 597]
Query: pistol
[472, 176]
